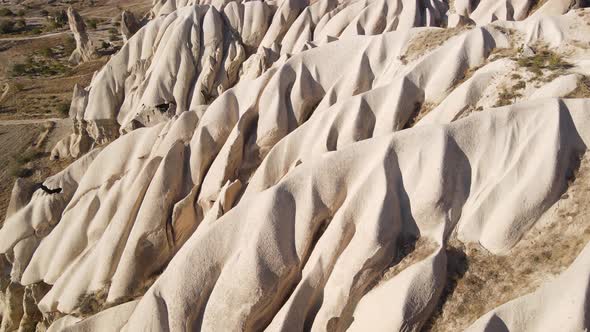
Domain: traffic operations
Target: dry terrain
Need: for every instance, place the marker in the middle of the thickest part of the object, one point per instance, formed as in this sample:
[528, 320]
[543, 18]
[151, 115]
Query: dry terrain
[383, 165]
[36, 80]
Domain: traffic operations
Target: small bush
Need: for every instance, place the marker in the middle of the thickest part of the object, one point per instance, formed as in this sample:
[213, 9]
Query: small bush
[519, 86]
[57, 20]
[20, 25]
[63, 110]
[27, 156]
[92, 23]
[33, 67]
[19, 172]
[20, 12]
[69, 45]
[19, 69]
[46, 52]
[44, 12]
[7, 26]
[507, 97]
[6, 12]
[544, 60]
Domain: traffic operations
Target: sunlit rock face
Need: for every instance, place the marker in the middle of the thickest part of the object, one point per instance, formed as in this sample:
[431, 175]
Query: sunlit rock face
[317, 166]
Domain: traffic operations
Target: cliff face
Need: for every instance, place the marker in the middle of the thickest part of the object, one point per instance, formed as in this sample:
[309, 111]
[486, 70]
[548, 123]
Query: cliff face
[360, 165]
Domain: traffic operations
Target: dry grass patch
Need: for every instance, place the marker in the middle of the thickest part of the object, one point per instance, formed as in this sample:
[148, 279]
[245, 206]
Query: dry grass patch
[544, 60]
[427, 40]
[92, 303]
[409, 253]
[582, 90]
[14, 141]
[535, 6]
[23, 153]
[420, 111]
[509, 95]
[545, 251]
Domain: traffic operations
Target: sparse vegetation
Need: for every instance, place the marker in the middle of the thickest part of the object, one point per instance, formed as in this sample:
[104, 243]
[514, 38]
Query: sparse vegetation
[46, 52]
[420, 112]
[93, 302]
[19, 86]
[6, 12]
[63, 109]
[20, 25]
[519, 86]
[38, 67]
[479, 281]
[27, 156]
[428, 40]
[69, 45]
[508, 96]
[544, 59]
[17, 171]
[18, 166]
[56, 20]
[582, 90]
[7, 26]
[92, 23]
[536, 5]
[411, 251]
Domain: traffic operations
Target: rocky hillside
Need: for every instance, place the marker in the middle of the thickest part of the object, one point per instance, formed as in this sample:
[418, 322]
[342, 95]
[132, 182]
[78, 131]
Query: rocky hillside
[375, 165]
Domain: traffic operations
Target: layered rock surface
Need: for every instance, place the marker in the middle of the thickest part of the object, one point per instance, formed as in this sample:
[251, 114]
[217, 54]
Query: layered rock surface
[84, 50]
[312, 166]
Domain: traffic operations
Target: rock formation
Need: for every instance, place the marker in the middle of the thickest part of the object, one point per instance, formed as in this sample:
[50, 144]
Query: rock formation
[129, 25]
[321, 166]
[84, 50]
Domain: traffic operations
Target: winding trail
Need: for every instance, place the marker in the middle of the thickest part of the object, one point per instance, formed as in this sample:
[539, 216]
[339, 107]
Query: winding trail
[26, 121]
[54, 34]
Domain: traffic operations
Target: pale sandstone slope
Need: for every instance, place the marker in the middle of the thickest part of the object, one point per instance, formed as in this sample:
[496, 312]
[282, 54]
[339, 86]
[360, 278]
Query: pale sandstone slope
[290, 151]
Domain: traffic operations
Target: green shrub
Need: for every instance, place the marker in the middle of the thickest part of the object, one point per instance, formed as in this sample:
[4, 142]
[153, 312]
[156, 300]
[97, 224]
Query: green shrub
[6, 12]
[63, 109]
[7, 26]
[92, 23]
[19, 172]
[20, 12]
[46, 52]
[57, 20]
[507, 97]
[519, 86]
[35, 67]
[19, 69]
[69, 44]
[20, 25]
[544, 59]
[27, 156]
